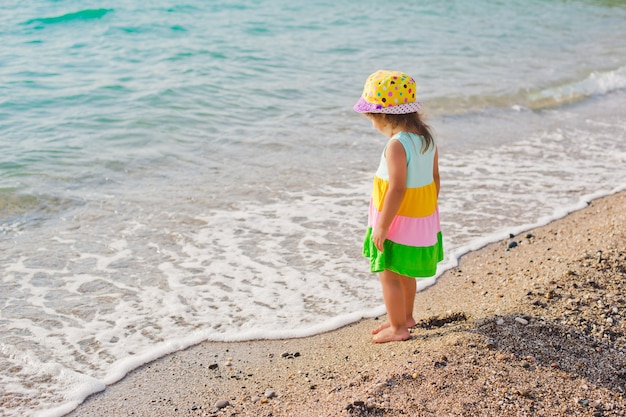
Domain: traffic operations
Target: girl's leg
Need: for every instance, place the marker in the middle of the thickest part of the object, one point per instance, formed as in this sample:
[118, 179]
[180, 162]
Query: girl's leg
[393, 294]
[409, 286]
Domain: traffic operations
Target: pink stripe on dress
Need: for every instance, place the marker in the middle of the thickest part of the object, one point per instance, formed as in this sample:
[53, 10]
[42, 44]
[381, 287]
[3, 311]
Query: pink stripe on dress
[410, 231]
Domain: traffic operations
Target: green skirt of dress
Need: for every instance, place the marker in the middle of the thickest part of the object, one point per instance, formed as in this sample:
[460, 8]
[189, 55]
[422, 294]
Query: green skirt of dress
[410, 261]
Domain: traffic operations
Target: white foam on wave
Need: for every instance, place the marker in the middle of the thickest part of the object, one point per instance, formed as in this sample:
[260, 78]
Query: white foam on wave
[505, 233]
[532, 181]
[108, 296]
[52, 375]
[596, 83]
[292, 262]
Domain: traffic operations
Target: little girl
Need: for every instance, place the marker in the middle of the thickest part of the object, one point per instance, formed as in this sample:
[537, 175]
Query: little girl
[403, 240]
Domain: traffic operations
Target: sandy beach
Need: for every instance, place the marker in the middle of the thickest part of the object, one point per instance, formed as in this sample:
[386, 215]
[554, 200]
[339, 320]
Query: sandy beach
[530, 326]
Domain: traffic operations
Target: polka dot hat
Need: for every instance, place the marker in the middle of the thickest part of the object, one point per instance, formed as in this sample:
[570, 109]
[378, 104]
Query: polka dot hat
[390, 92]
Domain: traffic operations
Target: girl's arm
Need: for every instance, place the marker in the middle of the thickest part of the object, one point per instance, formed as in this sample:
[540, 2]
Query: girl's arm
[396, 165]
[436, 171]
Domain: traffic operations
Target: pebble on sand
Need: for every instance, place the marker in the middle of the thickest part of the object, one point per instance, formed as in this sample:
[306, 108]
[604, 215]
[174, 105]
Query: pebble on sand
[222, 404]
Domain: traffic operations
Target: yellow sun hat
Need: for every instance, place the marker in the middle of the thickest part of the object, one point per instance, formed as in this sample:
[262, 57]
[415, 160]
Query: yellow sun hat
[390, 92]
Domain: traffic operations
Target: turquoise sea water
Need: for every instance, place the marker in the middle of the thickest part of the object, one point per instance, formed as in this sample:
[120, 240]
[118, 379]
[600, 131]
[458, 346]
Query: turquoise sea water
[177, 172]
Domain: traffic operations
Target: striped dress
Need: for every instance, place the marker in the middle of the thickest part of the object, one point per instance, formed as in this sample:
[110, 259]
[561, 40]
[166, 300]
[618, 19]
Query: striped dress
[414, 243]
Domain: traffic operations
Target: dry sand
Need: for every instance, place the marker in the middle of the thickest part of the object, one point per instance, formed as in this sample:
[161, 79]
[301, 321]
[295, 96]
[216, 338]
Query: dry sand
[533, 330]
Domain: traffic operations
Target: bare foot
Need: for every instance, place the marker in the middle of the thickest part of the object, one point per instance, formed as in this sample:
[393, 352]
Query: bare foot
[388, 335]
[409, 324]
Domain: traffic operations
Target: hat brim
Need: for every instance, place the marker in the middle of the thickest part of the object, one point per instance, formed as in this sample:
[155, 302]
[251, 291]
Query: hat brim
[363, 106]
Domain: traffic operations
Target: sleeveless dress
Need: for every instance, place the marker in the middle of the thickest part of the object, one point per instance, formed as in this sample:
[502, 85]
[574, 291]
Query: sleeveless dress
[414, 242]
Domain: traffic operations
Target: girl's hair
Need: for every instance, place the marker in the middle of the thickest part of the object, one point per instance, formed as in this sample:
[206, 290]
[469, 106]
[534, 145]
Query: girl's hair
[409, 122]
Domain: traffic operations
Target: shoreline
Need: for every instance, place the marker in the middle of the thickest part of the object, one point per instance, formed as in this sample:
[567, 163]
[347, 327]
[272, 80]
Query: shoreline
[535, 328]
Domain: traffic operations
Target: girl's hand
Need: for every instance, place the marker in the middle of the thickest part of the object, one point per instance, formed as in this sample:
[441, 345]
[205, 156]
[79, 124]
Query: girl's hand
[379, 235]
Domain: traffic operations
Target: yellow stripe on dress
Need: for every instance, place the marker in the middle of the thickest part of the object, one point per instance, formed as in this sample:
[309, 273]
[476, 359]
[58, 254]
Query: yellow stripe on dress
[417, 202]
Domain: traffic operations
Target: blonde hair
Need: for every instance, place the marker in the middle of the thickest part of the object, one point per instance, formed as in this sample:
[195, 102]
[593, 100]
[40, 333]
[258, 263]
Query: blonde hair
[409, 122]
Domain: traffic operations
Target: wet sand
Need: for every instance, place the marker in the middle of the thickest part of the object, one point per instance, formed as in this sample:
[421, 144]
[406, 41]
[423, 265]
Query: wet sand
[535, 329]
